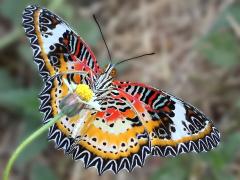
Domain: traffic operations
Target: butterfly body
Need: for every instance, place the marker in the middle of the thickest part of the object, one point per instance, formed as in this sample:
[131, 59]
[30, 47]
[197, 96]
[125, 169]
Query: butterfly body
[121, 123]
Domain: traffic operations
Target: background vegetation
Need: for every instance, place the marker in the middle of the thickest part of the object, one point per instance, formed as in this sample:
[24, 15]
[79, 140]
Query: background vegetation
[198, 59]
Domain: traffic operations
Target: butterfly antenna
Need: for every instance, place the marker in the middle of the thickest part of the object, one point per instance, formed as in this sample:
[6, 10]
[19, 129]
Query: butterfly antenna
[99, 27]
[147, 54]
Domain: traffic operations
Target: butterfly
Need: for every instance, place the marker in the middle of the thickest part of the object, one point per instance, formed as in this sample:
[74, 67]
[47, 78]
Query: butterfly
[130, 121]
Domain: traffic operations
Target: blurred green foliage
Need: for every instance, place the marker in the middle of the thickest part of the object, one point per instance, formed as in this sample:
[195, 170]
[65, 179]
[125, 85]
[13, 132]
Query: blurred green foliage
[221, 45]
[42, 172]
[222, 48]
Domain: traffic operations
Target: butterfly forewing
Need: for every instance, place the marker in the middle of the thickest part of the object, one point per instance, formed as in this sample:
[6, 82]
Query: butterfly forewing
[57, 48]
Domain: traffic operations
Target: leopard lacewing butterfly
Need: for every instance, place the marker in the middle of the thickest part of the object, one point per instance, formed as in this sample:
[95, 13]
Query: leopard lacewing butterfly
[134, 120]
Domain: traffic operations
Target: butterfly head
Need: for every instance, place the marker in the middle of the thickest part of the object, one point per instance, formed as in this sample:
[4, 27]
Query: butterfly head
[111, 70]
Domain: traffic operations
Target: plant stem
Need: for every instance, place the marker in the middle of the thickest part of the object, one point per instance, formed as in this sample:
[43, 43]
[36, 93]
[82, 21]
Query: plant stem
[26, 142]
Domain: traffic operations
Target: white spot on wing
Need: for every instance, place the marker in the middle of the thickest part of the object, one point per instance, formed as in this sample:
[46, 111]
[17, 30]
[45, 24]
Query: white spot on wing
[57, 32]
[180, 113]
[79, 125]
[118, 127]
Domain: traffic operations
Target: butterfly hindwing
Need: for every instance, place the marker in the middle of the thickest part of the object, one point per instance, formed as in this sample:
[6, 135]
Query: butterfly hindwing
[174, 126]
[56, 47]
[115, 139]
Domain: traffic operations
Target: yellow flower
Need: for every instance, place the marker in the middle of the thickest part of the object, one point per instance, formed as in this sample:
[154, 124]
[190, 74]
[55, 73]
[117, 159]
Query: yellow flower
[84, 92]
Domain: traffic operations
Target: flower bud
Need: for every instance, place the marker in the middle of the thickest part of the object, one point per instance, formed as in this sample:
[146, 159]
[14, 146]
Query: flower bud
[84, 92]
[70, 105]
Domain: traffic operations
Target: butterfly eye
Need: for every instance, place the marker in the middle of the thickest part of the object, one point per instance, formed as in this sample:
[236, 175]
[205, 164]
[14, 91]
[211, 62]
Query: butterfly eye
[114, 73]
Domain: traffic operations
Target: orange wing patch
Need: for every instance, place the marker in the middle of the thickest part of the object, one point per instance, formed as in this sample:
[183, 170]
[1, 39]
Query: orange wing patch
[113, 146]
[113, 140]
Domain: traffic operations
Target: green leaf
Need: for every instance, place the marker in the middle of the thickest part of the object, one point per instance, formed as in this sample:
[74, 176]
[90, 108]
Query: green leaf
[68, 14]
[13, 9]
[174, 168]
[222, 21]
[6, 81]
[10, 37]
[88, 30]
[21, 101]
[42, 172]
[231, 146]
[26, 52]
[224, 154]
[238, 103]
[221, 48]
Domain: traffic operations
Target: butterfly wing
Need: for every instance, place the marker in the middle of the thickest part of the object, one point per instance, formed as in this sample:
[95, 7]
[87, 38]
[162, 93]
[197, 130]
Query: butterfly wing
[112, 139]
[115, 140]
[136, 121]
[174, 126]
[56, 47]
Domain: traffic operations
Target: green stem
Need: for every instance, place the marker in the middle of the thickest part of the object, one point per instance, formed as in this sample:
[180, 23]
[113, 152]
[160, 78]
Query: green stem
[26, 142]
